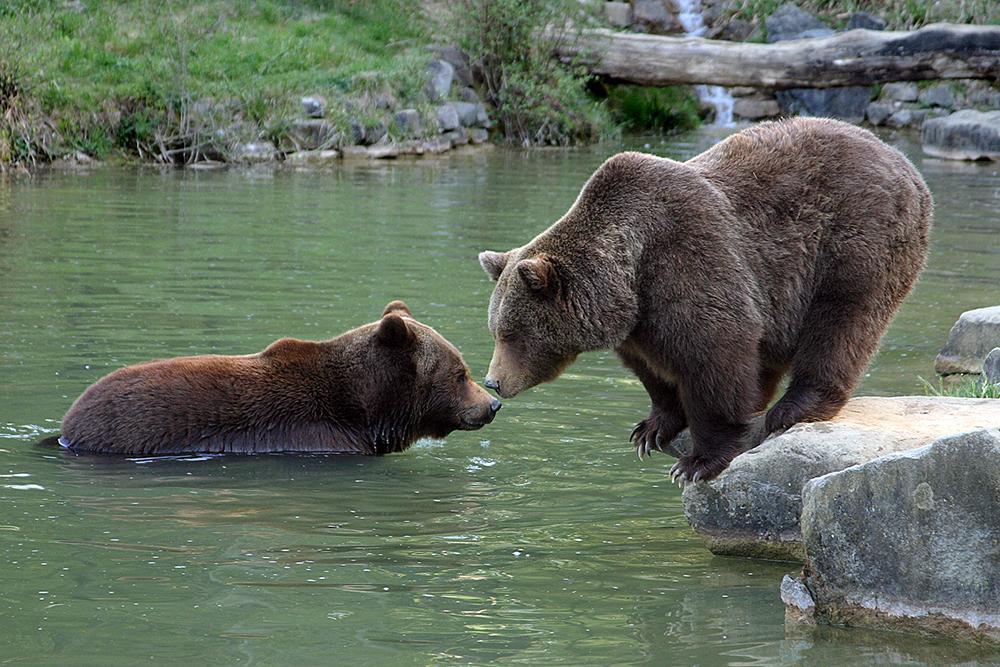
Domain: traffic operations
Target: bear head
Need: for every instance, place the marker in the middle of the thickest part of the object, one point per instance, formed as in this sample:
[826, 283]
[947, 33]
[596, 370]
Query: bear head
[419, 384]
[546, 308]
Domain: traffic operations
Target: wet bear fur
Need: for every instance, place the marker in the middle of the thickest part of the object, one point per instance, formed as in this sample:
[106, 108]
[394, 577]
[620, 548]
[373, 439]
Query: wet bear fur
[373, 390]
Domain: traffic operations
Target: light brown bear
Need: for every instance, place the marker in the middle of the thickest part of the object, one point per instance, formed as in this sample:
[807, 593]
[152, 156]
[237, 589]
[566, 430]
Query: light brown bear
[786, 247]
[373, 390]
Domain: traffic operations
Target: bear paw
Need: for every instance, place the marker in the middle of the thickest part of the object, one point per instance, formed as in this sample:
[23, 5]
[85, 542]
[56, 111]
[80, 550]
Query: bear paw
[653, 433]
[694, 468]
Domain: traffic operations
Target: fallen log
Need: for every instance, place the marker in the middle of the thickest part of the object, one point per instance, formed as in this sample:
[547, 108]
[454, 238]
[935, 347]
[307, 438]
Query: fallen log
[854, 58]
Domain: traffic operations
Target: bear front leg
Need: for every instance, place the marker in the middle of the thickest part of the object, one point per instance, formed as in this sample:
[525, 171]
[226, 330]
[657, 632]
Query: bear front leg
[666, 414]
[719, 402]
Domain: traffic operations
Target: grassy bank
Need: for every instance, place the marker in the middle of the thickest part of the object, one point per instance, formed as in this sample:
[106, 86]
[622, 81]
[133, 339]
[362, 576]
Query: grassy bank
[141, 77]
[182, 81]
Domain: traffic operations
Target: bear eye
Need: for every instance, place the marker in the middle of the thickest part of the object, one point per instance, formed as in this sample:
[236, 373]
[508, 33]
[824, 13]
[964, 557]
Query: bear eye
[460, 377]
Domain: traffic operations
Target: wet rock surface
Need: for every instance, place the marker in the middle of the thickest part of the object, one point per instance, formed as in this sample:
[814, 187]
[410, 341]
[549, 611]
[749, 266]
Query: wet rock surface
[753, 508]
[907, 541]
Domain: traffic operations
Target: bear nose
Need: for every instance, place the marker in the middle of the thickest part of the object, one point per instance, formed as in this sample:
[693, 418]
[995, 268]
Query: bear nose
[495, 406]
[491, 383]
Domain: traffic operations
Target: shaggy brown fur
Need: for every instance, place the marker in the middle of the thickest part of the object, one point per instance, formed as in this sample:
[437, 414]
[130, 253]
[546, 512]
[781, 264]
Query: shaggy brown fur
[786, 247]
[373, 390]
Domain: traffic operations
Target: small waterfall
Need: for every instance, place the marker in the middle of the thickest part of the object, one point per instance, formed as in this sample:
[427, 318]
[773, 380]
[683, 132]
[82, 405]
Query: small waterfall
[689, 14]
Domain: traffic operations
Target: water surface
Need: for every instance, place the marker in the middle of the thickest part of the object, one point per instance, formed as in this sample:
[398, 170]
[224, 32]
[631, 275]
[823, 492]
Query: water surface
[538, 540]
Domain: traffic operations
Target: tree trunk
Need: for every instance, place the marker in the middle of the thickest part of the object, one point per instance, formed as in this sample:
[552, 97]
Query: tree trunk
[854, 58]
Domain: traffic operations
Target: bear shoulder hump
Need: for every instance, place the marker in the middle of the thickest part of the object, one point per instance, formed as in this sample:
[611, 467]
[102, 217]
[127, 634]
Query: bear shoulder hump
[287, 348]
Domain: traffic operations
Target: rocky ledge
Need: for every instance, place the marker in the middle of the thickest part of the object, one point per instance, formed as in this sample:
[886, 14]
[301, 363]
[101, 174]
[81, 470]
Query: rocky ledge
[909, 541]
[753, 508]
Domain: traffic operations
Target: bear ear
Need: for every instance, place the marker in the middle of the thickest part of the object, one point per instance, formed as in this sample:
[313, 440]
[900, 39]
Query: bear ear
[493, 263]
[393, 331]
[398, 307]
[538, 274]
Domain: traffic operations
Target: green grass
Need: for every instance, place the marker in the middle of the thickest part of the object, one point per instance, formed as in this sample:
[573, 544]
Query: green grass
[970, 387]
[117, 73]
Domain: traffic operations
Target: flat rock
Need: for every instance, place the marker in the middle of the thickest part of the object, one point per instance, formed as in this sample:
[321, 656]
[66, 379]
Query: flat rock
[321, 158]
[790, 22]
[971, 338]
[963, 135]
[909, 541]
[752, 509]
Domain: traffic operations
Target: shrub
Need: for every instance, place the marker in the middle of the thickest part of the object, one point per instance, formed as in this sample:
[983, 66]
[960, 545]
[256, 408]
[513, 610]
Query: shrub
[538, 101]
[670, 109]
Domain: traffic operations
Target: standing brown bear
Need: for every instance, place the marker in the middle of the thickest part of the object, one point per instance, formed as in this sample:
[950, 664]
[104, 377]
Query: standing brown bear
[785, 248]
[372, 390]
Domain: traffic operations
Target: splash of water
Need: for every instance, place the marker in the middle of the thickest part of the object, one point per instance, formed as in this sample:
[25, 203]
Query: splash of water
[689, 15]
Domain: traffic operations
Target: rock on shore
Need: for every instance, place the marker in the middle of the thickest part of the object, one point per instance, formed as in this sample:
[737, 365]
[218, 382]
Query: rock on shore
[971, 338]
[752, 509]
[964, 135]
[907, 542]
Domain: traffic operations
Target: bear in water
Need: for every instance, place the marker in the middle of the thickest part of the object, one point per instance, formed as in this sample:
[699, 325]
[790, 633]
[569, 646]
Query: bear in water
[785, 248]
[373, 390]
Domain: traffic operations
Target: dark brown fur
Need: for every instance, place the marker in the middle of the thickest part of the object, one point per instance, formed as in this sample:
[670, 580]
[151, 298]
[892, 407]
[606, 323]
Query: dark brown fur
[785, 248]
[373, 390]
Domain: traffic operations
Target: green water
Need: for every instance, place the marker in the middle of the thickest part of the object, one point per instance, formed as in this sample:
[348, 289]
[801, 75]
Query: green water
[538, 540]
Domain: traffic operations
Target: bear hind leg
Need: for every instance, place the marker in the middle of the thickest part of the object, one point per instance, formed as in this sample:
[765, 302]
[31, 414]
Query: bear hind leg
[838, 340]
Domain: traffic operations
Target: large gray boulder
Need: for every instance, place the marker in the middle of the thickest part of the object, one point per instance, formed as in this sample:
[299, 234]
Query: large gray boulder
[971, 338]
[963, 135]
[909, 541]
[752, 509]
[846, 103]
[790, 22]
[440, 74]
